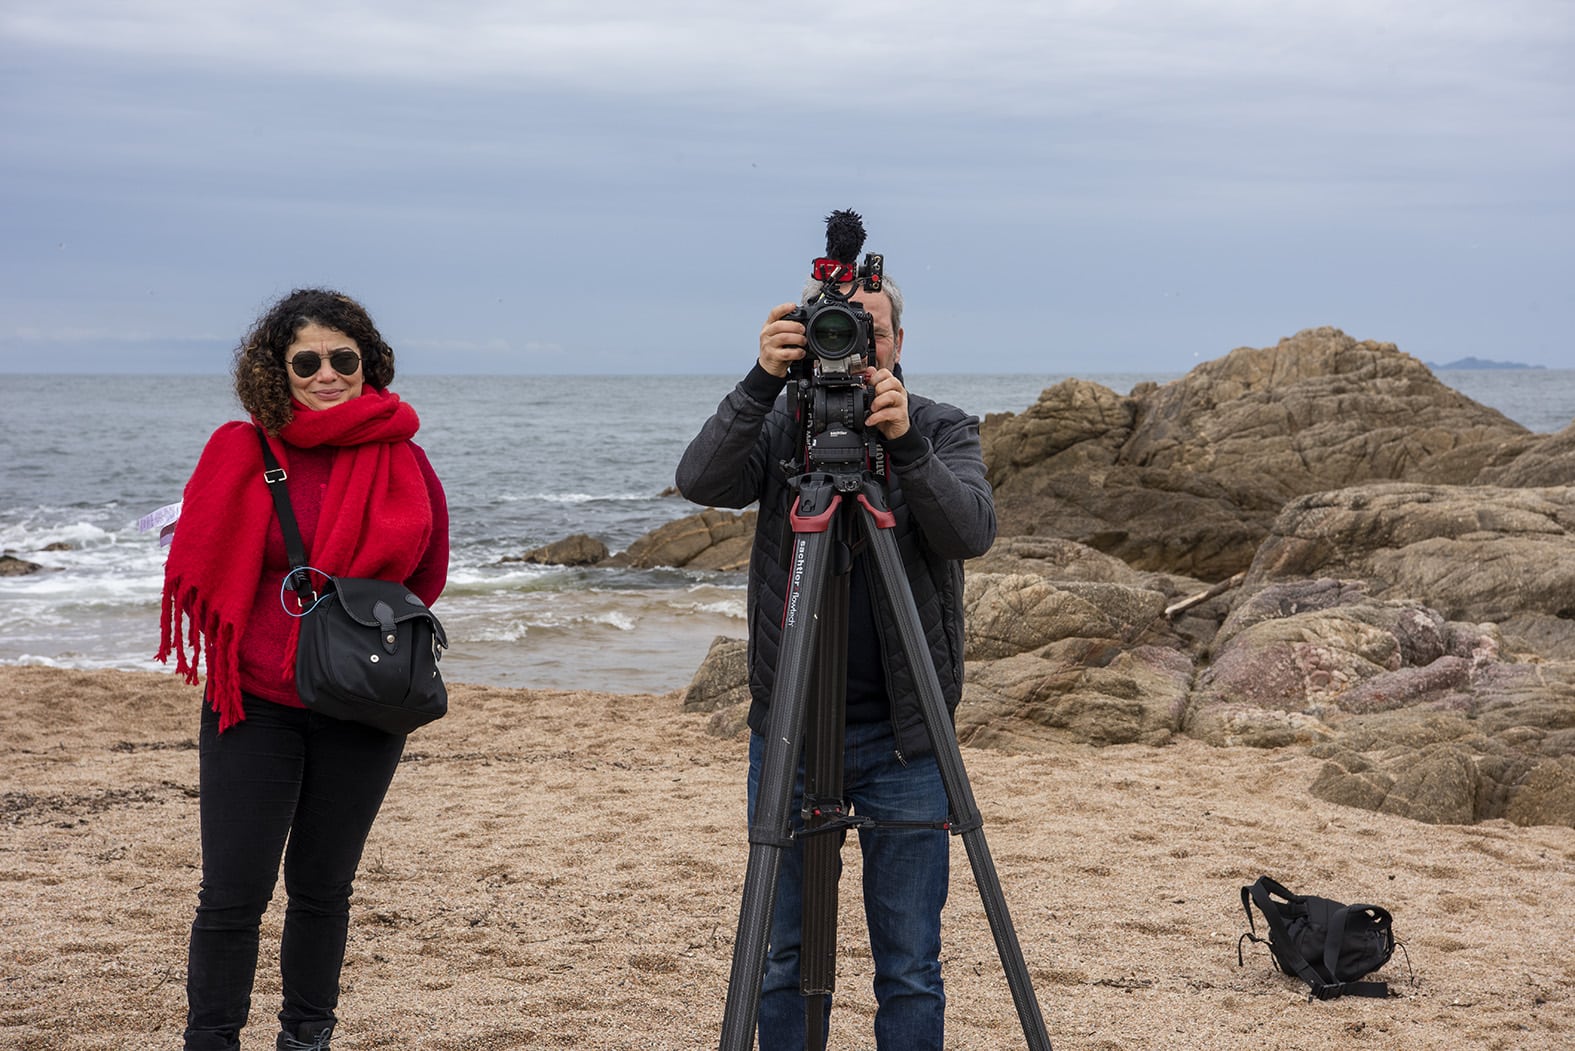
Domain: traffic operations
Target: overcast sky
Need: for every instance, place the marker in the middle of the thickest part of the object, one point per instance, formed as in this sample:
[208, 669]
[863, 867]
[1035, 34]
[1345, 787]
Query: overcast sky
[628, 187]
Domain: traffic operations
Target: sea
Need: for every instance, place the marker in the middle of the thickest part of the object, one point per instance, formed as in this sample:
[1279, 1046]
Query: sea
[525, 460]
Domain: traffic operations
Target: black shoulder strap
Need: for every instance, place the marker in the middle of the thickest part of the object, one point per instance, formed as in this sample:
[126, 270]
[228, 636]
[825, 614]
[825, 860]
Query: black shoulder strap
[1257, 890]
[1279, 936]
[1276, 888]
[275, 476]
[1247, 894]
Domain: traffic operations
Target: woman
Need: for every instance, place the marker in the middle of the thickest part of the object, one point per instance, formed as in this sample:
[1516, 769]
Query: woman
[314, 373]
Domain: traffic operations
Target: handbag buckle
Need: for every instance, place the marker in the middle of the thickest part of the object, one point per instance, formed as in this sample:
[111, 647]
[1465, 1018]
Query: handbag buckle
[300, 581]
[274, 475]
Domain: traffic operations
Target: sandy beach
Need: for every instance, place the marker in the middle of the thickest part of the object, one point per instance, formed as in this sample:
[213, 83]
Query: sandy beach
[563, 870]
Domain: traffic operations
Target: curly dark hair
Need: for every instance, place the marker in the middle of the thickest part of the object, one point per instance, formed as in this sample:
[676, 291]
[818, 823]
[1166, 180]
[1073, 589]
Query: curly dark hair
[260, 379]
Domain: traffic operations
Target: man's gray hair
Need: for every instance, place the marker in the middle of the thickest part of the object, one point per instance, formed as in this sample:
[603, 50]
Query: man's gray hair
[887, 285]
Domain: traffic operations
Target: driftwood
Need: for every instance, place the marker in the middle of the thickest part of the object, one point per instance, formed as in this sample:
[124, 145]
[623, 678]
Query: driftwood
[1203, 596]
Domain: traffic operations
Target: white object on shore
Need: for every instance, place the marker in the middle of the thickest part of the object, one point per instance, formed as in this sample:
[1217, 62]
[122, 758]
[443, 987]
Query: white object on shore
[162, 519]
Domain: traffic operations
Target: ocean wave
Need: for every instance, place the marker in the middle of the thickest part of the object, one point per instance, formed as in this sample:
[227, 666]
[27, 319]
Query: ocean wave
[661, 601]
[481, 630]
[734, 608]
[31, 535]
[74, 662]
[469, 577]
[718, 585]
[57, 588]
[488, 578]
[578, 498]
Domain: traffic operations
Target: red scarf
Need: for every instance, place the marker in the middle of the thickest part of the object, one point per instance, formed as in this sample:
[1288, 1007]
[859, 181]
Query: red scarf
[376, 522]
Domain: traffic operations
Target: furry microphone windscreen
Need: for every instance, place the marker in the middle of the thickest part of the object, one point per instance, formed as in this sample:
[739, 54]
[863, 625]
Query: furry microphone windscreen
[844, 237]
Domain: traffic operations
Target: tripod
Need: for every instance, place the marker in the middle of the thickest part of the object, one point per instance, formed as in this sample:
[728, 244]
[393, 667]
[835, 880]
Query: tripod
[814, 639]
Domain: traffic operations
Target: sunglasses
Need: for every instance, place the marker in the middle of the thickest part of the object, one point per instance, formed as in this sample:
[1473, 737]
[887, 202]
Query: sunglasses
[308, 362]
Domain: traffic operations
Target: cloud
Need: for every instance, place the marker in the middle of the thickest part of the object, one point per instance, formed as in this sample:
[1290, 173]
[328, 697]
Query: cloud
[1251, 97]
[1043, 58]
[1264, 94]
[510, 174]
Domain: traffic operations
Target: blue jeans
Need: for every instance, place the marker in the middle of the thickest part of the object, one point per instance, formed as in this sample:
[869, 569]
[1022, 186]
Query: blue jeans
[283, 774]
[905, 881]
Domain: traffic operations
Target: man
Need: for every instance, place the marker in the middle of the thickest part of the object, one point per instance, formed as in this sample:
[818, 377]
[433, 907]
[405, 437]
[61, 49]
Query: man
[944, 513]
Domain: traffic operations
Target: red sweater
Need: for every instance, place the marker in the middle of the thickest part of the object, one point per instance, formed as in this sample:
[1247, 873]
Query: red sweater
[262, 647]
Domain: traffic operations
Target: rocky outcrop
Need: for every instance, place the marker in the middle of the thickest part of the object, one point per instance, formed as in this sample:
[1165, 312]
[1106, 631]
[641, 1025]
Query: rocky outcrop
[1543, 460]
[1417, 715]
[722, 680]
[1076, 422]
[712, 539]
[1064, 640]
[1057, 472]
[11, 566]
[1067, 560]
[1318, 411]
[1083, 690]
[1477, 553]
[1019, 613]
[1188, 477]
[709, 540]
[1503, 747]
[1054, 558]
[576, 550]
[1460, 780]
[1296, 656]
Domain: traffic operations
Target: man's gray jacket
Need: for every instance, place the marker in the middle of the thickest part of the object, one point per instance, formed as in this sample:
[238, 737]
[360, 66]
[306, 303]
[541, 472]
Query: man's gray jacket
[944, 514]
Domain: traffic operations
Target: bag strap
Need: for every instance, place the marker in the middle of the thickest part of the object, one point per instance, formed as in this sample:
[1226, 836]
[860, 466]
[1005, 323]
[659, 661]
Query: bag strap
[1251, 934]
[1331, 952]
[1246, 906]
[1280, 936]
[299, 579]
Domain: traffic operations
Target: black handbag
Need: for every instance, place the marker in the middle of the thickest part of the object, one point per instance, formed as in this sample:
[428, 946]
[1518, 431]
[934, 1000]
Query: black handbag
[368, 649]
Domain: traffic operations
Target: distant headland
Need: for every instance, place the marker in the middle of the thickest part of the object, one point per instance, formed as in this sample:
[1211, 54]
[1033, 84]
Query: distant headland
[1483, 363]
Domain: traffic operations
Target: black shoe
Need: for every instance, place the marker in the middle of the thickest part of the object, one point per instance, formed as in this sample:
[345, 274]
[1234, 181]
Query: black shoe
[308, 1036]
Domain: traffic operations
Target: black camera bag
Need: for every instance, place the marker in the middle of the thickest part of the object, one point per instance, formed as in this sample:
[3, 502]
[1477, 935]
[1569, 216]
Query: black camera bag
[1327, 944]
[369, 652]
[368, 649]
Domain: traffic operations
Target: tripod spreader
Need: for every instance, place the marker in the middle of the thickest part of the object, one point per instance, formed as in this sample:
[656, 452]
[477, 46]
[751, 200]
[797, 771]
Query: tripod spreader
[840, 821]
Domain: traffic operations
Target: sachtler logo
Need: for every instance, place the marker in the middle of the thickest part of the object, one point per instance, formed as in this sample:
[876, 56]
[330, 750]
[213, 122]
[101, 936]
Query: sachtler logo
[798, 580]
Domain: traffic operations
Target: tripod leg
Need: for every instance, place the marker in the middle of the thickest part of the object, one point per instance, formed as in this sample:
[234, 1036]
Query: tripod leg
[769, 830]
[943, 741]
[825, 736]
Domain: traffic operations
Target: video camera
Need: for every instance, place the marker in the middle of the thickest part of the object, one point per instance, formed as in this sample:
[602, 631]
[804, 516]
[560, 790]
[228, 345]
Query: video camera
[827, 388]
[837, 331]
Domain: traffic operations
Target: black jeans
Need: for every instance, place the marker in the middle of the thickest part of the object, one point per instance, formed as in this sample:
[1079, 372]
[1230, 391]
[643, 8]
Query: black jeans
[281, 774]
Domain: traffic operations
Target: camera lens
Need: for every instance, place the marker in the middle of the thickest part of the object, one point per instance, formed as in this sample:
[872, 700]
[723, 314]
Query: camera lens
[832, 333]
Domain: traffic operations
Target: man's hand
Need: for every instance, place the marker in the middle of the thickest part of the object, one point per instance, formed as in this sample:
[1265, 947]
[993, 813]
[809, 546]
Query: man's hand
[888, 404]
[781, 342]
